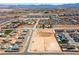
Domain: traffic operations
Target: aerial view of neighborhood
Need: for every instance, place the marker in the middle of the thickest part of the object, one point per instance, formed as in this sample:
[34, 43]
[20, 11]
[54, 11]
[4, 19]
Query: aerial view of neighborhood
[39, 29]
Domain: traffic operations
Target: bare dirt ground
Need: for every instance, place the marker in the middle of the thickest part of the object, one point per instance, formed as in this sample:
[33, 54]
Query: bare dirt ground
[43, 41]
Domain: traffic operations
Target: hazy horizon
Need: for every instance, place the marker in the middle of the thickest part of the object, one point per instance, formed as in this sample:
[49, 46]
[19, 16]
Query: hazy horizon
[35, 3]
[38, 2]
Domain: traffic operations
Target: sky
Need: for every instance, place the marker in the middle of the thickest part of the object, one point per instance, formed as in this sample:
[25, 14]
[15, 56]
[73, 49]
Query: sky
[55, 2]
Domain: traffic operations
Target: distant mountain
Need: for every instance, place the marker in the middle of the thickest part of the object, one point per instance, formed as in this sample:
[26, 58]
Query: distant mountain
[76, 5]
[69, 5]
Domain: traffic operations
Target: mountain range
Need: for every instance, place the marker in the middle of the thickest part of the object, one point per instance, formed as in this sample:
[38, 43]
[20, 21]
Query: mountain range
[49, 6]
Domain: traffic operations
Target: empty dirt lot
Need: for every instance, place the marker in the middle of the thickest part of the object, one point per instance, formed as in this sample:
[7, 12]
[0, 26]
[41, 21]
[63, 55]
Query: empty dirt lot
[43, 41]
